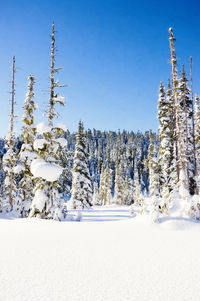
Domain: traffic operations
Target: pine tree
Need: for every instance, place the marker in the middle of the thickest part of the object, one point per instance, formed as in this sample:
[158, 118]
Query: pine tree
[180, 127]
[154, 183]
[47, 202]
[81, 193]
[105, 186]
[166, 150]
[27, 152]
[119, 184]
[95, 197]
[128, 192]
[138, 197]
[9, 189]
[197, 129]
[186, 116]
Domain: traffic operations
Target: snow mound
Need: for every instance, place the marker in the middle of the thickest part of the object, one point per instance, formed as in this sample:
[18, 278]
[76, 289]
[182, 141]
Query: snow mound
[42, 128]
[61, 126]
[48, 171]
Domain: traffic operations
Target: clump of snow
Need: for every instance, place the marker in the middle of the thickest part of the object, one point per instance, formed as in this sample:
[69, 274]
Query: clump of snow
[39, 200]
[39, 143]
[42, 128]
[18, 168]
[48, 171]
[62, 141]
[61, 126]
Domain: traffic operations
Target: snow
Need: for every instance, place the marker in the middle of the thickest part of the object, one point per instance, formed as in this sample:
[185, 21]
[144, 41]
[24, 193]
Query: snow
[61, 126]
[39, 143]
[48, 171]
[18, 168]
[109, 255]
[39, 200]
[62, 142]
[42, 128]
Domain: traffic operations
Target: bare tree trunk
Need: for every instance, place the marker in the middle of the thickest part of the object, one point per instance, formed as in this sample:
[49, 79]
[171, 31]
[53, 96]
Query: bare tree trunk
[52, 84]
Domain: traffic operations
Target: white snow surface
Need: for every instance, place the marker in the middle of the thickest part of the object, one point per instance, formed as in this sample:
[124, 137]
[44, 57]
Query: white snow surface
[61, 126]
[109, 255]
[48, 171]
[43, 128]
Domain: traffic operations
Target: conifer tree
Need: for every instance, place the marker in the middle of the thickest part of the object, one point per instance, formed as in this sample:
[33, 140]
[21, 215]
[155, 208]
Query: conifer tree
[27, 152]
[166, 150]
[154, 184]
[105, 186]
[128, 192]
[138, 198]
[48, 150]
[95, 197]
[81, 193]
[119, 184]
[197, 129]
[180, 123]
[186, 116]
[9, 189]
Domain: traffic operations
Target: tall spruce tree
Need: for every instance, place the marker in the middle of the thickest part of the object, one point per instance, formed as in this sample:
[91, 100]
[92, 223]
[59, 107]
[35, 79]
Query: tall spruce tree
[27, 153]
[9, 159]
[197, 129]
[81, 193]
[48, 150]
[167, 146]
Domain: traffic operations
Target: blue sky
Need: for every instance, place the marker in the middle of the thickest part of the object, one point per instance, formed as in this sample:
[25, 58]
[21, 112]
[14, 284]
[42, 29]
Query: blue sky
[113, 54]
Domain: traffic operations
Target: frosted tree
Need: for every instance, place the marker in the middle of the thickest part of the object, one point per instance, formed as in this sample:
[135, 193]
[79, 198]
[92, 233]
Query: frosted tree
[81, 193]
[166, 150]
[180, 127]
[54, 96]
[154, 184]
[105, 186]
[138, 197]
[96, 198]
[186, 116]
[48, 202]
[128, 191]
[197, 129]
[27, 152]
[119, 184]
[9, 159]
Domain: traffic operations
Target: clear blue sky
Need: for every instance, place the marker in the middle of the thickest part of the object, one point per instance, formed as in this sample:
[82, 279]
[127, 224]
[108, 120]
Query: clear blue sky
[113, 54]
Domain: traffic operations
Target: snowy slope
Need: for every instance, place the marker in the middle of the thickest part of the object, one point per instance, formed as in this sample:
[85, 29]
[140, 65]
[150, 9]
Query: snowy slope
[107, 256]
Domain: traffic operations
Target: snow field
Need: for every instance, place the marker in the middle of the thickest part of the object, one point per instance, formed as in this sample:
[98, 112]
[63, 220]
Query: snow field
[130, 258]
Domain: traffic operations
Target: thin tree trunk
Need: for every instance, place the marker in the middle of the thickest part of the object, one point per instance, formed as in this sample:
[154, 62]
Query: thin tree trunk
[11, 138]
[52, 84]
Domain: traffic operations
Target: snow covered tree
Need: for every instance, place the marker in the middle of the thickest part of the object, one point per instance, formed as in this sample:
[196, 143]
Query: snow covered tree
[9, 189]
[95, 198]
[154, 183]
[128, 192]
[27, 152]
[180, 100]
[186, 116]
[119, 184]
[81, 193]
[197, 130]
[47, 202]
[54, 97]
[167, 146]
[105, 186]
[138, 197]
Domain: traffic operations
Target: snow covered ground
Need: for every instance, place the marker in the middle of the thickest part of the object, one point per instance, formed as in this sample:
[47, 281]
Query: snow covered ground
[108, 256]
